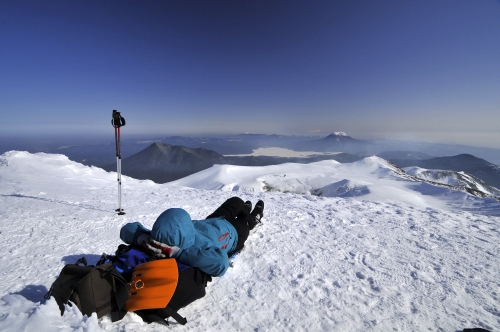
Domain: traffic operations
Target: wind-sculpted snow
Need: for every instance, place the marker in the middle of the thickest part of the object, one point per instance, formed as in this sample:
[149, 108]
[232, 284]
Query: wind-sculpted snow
[315, 264]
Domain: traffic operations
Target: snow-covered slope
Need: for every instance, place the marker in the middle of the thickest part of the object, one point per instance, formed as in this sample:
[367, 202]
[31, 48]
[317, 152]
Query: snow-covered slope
[372, 178]
[453, 178]
[390, 258]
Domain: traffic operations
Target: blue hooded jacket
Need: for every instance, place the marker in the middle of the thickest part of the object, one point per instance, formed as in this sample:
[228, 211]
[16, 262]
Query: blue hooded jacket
[204, 244]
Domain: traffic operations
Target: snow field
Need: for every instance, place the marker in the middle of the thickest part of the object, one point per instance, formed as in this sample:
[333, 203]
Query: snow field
[316, 263]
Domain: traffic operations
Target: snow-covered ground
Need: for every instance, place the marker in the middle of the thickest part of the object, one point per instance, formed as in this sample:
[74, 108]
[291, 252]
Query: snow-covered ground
[375, 251]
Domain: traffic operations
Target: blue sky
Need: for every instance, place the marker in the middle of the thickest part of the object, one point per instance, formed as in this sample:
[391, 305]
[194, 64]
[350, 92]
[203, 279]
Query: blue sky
[423, 70]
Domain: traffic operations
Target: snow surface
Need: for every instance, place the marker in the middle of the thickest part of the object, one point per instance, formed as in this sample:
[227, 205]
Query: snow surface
[374, 252]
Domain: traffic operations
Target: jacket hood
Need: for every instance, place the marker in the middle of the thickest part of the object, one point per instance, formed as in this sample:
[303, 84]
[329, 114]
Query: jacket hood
[175, 228]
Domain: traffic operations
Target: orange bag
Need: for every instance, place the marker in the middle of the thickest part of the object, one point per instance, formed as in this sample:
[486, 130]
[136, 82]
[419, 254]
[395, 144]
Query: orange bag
[152, 284]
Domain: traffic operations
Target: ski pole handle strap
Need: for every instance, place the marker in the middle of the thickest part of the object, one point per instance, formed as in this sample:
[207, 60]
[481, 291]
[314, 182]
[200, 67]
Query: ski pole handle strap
[117, 120]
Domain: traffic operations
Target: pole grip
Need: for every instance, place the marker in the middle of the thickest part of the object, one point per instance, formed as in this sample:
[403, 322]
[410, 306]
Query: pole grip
[117, 120]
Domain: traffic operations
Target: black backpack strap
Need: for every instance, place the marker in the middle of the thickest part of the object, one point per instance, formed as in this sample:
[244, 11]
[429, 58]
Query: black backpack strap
[152, 318]
[49, 293]
[160, 315]
[175, 315]
[82, 260]
[120, 291]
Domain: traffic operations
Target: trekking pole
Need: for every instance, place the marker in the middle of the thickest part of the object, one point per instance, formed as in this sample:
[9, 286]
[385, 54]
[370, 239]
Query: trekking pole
[118, 121]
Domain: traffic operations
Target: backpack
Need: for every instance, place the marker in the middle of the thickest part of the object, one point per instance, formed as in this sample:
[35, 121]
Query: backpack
[190, 287]
[100, 289]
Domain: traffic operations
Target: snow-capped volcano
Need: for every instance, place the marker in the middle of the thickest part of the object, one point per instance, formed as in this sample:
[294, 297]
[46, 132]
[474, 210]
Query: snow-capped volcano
[340, 136]
[376, 251]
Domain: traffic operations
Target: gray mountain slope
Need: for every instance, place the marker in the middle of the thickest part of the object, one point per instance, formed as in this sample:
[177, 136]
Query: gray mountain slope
[163, 162]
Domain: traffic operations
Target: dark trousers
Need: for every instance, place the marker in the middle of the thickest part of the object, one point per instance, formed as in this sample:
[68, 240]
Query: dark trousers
[235, 211]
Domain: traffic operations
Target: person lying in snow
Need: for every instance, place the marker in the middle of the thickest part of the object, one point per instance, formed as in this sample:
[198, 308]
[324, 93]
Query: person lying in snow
[205, 244]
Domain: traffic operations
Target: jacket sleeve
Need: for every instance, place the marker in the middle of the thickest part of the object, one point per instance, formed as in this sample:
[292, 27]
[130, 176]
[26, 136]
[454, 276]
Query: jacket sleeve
[211, 260]
[131, 231]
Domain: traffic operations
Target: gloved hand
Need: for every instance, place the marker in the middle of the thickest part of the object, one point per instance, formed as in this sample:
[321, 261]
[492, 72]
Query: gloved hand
[155, 248]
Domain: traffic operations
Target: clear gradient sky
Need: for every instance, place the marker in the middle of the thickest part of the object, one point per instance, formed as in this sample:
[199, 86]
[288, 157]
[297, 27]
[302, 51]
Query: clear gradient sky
[424, 70]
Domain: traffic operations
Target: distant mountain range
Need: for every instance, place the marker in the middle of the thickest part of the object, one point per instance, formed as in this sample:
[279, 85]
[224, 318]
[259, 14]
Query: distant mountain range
[407, 155]
[162, 163]
[101, 151]
[175, 157]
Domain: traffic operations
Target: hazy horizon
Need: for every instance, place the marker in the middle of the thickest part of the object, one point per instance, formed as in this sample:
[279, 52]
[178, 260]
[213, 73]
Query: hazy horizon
[82, 139]
[79, 139]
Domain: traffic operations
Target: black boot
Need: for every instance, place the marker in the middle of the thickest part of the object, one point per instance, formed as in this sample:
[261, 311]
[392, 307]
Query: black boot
[248, 206]
[257, 214]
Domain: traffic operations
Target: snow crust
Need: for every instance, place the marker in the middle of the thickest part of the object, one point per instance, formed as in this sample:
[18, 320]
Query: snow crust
[400, 255]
